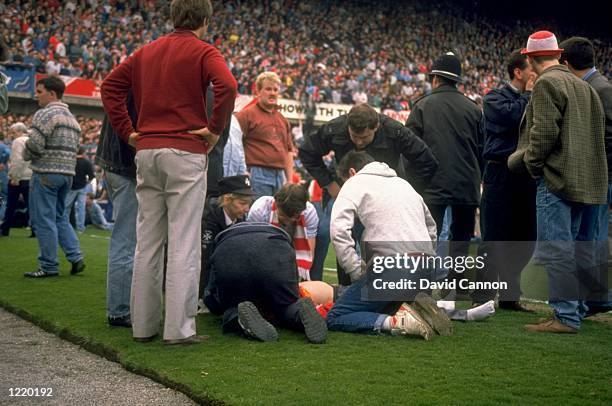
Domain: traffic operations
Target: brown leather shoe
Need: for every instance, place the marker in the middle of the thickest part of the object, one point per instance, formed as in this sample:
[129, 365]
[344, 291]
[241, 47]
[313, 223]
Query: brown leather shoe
[515, 307]
[550, 326]
[194, 339]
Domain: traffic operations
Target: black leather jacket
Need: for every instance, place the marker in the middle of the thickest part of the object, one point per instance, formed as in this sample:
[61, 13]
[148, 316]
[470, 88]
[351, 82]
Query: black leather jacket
[113, 154]
[393, 144]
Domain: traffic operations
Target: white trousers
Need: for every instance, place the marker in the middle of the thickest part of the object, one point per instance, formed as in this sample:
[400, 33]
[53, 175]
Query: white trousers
[171, 188]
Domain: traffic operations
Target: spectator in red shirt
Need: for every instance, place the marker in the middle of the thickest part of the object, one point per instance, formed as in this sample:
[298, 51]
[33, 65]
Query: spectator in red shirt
[173, 135]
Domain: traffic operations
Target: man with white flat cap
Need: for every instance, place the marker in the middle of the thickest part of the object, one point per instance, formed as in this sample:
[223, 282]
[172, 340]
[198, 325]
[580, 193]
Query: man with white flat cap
[562, 147]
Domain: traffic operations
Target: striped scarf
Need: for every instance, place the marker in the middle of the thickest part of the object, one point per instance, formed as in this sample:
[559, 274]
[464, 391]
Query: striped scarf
[303, 256]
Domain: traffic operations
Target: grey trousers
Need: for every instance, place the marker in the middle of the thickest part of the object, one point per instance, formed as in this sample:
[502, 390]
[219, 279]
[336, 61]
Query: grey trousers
[171, 188]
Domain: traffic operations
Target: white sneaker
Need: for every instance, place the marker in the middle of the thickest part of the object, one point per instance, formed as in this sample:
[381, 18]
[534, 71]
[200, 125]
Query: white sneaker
[408, 322]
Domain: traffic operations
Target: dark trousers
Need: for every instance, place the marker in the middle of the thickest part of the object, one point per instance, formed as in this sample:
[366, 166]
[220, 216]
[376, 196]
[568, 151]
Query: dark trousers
[256, 267]
[508, 225]
[461, 229]
[12, 202]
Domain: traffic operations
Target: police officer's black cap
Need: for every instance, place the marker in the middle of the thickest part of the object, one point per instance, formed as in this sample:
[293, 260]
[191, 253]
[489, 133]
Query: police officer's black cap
[239, 184]
[448, 66]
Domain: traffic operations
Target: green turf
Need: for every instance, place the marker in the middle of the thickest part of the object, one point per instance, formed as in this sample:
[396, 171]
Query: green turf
[483, 363]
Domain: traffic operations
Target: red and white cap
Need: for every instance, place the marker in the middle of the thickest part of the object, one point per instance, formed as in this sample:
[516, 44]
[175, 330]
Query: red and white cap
[542, 43]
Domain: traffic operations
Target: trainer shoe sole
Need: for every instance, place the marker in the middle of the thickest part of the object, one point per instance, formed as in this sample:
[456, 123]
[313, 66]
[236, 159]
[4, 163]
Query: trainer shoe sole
[433, 315]
[40, 274]
[254, 325]
[315, 326]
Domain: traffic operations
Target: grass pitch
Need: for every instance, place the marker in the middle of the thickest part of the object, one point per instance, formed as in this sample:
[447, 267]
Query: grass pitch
[482, 363]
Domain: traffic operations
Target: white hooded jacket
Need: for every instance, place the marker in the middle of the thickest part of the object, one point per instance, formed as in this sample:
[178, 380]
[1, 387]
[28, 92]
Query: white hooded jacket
[389, 209]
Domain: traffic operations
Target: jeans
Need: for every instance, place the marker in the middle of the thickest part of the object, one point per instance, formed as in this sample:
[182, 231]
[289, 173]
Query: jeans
[266, 181]
[322, 241]
[353, 314]
[48, 193]
[560, 225]
[13, 199]
[97, 217]
[77, 197]
[599, 293]
[122, 192]
[445, 226]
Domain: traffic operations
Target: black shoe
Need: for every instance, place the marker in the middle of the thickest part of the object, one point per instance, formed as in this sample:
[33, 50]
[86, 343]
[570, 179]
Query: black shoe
[437, 318]
[315, 326]
[254, 325]
[593, 310]
[514, 306]
[77, 267]
[122, 321]
[39, 274]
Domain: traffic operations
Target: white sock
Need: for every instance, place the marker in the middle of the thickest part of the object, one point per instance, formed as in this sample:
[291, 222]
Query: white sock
[447, 305]
[386, 326]
[481, 312]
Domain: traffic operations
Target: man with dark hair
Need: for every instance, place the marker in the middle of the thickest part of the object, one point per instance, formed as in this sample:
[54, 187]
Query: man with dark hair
[290, 210]
[391, 212]
[172, 136]
[507, 208]
[51, 148]
[562, 147]
[453, 127]
[579, 56]
[77, 196]
[385, 139]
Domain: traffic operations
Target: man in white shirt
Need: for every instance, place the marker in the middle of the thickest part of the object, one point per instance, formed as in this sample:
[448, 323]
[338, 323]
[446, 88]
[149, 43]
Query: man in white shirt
[19, 175]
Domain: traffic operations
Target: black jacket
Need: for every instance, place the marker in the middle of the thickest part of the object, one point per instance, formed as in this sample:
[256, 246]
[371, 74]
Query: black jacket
[215, 156]
[213, 222]
[113, 154]
[391, 143]
[503, 109]
[603, 87]
[452, 126]
[83, 173]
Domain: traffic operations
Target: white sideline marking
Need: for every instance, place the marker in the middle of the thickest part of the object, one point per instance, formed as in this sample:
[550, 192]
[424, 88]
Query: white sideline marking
[97, 236]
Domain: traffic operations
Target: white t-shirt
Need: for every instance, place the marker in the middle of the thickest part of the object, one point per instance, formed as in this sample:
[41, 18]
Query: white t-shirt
[261, 210]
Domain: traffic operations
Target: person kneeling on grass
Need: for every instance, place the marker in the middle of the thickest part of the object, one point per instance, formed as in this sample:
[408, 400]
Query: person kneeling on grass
[253, 270]
[96, 214]
[230, 208]
[290, 210]
[324, 295]
[391, 211]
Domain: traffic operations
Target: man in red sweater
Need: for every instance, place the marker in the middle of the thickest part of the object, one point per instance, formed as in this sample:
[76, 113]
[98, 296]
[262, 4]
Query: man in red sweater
[173, 135]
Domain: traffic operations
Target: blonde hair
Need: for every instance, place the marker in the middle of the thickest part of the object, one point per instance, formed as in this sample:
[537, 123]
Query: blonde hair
[273, 76]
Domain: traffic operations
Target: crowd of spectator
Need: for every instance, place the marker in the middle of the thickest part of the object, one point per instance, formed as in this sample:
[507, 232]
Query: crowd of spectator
[90, 129]
[324, 50]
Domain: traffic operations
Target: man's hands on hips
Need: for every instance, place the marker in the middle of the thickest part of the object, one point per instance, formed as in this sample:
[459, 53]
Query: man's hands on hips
[206, 134]
[133, 138]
